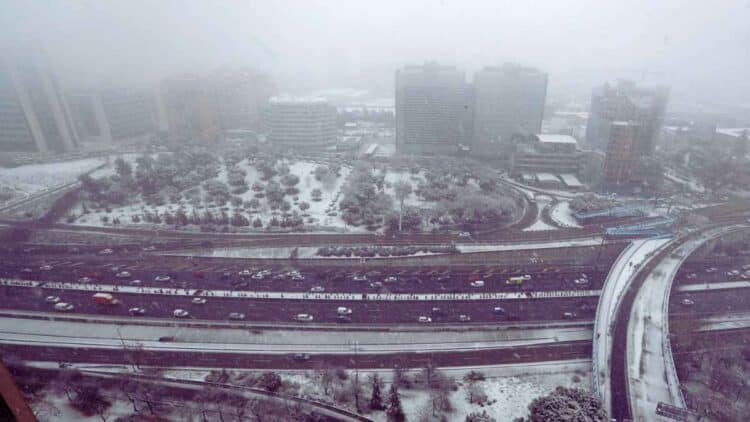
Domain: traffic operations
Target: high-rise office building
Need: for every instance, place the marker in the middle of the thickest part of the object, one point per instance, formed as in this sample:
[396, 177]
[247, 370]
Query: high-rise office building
[431, 102]
[190, 107]
[301, 122]
[508, 100]
[242, 95]
[34, 114]
[627, 102]
[622, 152]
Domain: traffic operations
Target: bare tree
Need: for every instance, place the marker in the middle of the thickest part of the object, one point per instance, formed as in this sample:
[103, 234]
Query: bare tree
[402, 189]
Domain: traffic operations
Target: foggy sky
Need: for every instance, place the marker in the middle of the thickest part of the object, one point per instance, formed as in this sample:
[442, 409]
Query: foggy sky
[701, 48]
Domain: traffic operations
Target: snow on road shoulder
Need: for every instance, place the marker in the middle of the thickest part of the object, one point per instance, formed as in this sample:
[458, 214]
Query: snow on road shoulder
[36, 177]
[562, 215]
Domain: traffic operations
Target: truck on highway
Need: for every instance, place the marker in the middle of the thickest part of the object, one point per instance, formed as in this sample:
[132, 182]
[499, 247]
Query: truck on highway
[104, 299]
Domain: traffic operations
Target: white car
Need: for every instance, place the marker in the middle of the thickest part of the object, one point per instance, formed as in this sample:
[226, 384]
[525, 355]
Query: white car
[180, 313]
[424, 319]
[84, 280]
[149, 248]
[45, 267]
[464, 318]
[162, 278]
[477, 283]
[711, 269]
[317, 289]
[527, 277]
[304, 317]
[359, 277]
[52, 299]
[733, 273]
[123, 274]
[245, 273]
[464, 234]
[236, 316]
[258, 276]
[687, 302]
[136, 282]
[746, 267]
[692, 276]
[63, 307]
[199, 301]
[136, 311]
[390, 279]
[296, 276]
[106, 251]
[343, 310]
[581, 281]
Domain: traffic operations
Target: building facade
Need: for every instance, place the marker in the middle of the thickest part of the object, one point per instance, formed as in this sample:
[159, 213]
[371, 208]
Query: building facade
[508, 100]
[34, 113]
[301, 122]
[553, 154]
[190, 107]
[622, 153]
[627, 102]
[431, 102]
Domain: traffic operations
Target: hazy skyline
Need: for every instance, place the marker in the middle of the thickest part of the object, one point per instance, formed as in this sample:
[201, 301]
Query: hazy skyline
[699, 48]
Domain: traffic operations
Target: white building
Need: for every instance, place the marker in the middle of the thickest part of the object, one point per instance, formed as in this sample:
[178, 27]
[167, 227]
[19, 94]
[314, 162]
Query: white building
[303, 122]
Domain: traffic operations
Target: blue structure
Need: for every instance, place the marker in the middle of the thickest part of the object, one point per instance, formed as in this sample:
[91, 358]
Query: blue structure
[607, 213]
[654, 228]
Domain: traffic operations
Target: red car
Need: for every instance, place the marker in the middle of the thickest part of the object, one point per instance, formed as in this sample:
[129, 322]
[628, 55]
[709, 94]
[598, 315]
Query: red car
[199, 274]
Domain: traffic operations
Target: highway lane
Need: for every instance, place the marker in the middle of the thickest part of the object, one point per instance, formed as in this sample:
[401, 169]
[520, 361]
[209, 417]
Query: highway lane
[443, 279]
[516, 306]
[553, 352]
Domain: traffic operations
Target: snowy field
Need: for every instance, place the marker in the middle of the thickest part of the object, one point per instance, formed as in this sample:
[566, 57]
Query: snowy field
[563, 215]
[323, 213]
[34, 178]
[542, 201]
[413, 201]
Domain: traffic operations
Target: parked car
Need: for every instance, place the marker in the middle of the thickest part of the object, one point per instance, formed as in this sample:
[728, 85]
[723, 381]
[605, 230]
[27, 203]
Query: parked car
[359, 277]
[198, 301]
[136, 311]
[464, 234]
[52, 299]
[85, 280]
[162, 278]
[245, 273]
[343, 319]
[343, 310]
[123, 274]
[180, 313]
[136, 282]
[464, 318]
[390, 279]
[569, 315]
[424, 319]
[317, 289]
[301, 357]
[45, 267]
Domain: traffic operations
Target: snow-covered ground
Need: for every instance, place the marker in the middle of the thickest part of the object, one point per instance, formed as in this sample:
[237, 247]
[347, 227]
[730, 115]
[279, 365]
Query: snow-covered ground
[563, 215]
[413, 201]
[54, 406]
[542, 202]
[321, 212]
[34, 178]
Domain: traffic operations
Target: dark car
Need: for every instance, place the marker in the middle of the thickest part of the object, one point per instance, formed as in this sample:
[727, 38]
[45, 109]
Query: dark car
[301, 357]
[343, 319]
